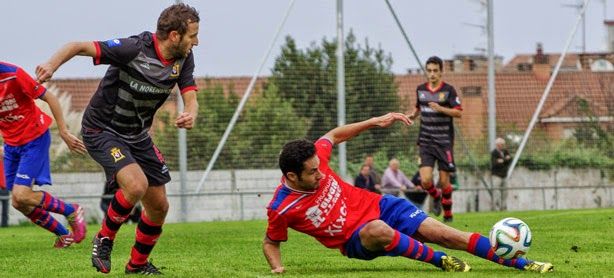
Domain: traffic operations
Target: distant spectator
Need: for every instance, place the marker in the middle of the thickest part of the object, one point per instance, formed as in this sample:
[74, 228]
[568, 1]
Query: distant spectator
[365, 181]
[373, 172]
[394, 180]
[500, 160]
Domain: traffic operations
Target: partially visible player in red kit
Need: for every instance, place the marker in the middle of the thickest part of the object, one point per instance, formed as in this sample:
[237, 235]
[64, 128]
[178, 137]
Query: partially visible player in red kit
[314, 200]
[25, 130]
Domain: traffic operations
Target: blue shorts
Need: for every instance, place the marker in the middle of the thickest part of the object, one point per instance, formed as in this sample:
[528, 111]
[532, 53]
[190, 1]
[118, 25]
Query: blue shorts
[398, 213]
[29, 163]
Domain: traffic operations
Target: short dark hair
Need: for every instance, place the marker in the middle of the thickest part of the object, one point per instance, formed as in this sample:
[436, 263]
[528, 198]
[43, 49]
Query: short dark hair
[176, 18]
[435, 60]
[294, 154]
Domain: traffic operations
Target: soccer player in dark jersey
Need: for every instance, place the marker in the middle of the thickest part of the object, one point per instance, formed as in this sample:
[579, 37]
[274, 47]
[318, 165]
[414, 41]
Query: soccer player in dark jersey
[143, 71]
[314, 200]
[25, 130]
[437, 104]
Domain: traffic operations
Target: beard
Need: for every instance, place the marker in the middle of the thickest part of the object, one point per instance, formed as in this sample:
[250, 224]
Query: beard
[179, 50]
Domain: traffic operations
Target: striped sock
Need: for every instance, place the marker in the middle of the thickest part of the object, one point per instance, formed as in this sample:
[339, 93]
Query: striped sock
[404, 245]
[118, 212]
[432, 190]
[147, 234]
[42, 218]
[480, 246]
[53, 204]
[446, 201]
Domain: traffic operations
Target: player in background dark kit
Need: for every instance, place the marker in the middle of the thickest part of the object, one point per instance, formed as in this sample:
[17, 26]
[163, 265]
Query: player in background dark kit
[500, 160]
[25, 130]
[314, 200]
[437, 104]
[143, 71]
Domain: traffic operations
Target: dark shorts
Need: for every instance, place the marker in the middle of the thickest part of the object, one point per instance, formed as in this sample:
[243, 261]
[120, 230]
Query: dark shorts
[398, 213]
[113, 154]
[29, 163]
[443, 156]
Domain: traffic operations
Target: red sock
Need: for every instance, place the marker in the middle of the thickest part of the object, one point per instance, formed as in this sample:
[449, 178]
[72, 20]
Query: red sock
[430, 188]
[147, 234]
[446, 201]
[117, 213]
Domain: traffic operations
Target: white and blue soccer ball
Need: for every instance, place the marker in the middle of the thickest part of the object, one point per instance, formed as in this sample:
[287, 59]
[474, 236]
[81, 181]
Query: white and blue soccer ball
[510, 238]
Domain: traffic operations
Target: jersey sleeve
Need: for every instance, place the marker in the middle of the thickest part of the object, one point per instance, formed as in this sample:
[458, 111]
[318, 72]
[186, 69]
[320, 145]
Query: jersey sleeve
[116, 51]
[186, 77]
[324, 148]
[28, 85]
[417, 98]
[277, 230]
[454, 99]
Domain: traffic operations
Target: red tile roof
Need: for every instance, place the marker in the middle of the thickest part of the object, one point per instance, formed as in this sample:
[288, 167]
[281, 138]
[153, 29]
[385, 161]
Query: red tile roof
[518, 94]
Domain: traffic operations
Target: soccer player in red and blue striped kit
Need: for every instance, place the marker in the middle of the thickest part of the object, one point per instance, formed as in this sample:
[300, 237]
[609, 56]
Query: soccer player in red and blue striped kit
[314, 200]
[25, 130]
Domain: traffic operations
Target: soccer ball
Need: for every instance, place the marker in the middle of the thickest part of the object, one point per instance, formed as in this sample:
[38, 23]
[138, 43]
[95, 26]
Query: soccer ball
[510, 238]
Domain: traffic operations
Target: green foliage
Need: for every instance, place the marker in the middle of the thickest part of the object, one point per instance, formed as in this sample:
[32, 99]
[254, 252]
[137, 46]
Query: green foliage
[234, 249]
[265, 124]
[307, 78]
[269, 122]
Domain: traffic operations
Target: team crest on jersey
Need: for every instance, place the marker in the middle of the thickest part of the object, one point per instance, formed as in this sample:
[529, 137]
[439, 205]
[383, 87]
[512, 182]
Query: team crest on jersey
[175, 71]
[117, 154]
[442, 96]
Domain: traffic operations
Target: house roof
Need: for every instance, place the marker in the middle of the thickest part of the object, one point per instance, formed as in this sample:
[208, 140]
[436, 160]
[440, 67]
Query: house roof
[517, 93]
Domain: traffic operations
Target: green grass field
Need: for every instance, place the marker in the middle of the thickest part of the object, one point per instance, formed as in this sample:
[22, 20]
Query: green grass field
[233, 249]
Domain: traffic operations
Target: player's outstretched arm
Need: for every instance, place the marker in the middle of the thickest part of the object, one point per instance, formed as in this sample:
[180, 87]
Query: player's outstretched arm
[343, 133]
[272, 253]
[45, 70]
[74, 144]
[187, 118]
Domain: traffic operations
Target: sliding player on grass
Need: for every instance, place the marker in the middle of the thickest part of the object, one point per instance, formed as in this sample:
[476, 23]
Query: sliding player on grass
[312, 199]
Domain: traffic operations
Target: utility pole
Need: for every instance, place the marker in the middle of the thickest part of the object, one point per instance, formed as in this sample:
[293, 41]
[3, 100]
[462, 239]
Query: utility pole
[579, 7]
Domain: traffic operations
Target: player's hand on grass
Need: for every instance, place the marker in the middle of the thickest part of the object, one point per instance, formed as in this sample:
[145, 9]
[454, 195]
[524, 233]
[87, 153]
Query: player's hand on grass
[73, 143]
[185, 120]
[44, 72]
[277, 270]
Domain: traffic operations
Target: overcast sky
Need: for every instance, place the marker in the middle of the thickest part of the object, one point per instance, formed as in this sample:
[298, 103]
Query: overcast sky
[235, 35]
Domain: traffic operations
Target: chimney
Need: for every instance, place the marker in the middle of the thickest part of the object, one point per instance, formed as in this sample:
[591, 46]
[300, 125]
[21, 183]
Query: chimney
[541, 65]
[610, 27]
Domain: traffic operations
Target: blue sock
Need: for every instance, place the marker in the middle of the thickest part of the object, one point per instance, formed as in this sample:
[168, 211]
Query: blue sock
[403, 245]
[480, 246]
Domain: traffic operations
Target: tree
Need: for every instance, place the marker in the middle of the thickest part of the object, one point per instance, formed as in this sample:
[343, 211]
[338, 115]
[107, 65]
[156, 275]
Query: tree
[307, 78]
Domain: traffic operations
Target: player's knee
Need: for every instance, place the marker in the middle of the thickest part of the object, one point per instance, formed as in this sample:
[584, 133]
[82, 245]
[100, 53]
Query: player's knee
[377, 231]
[20, 199]
[135, 188]
[160, 209]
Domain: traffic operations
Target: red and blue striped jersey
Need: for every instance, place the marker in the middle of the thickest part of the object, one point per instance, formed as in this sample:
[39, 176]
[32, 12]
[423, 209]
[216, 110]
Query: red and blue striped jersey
[331, 213]
[21, 121]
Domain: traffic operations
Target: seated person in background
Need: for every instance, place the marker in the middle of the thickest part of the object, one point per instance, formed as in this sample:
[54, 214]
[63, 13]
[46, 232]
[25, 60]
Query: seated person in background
[365, 181]
[416, 195]
[373, 171]
[394, 180]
